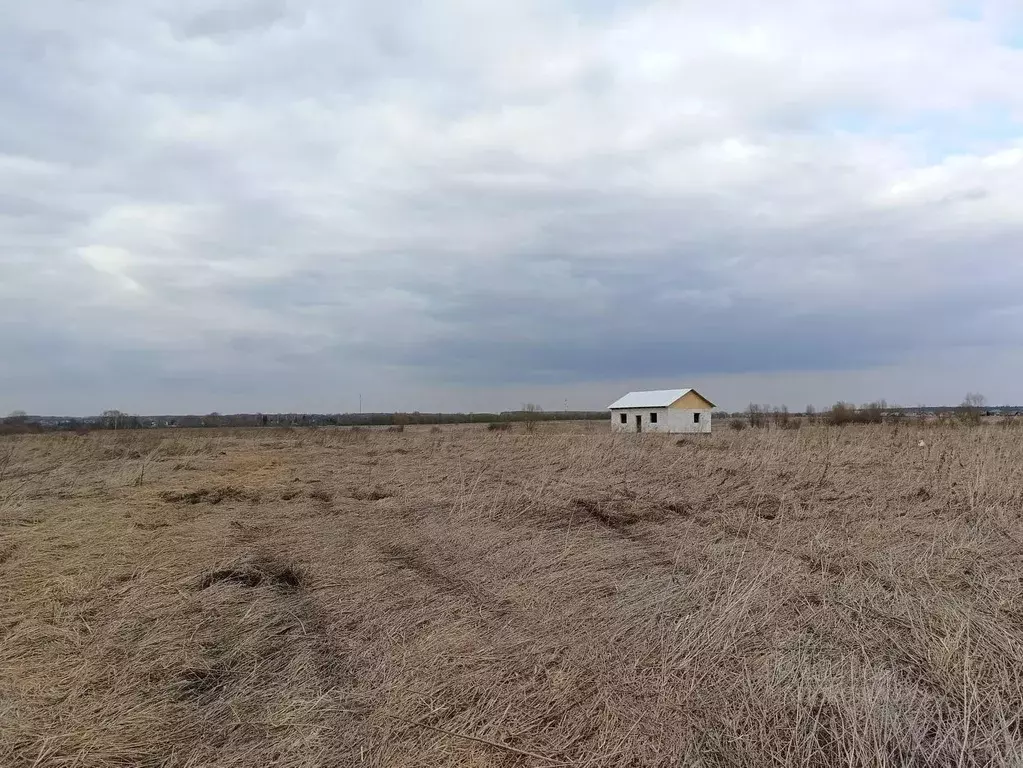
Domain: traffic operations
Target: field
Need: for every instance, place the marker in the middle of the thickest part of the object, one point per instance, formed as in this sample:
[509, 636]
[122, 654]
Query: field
[811, 597]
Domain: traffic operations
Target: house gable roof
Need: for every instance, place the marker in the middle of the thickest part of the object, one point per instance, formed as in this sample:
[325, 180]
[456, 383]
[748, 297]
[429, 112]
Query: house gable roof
[658, 398]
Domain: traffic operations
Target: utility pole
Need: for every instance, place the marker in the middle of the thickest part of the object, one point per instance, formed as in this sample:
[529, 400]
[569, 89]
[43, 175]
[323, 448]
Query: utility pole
[360, 403]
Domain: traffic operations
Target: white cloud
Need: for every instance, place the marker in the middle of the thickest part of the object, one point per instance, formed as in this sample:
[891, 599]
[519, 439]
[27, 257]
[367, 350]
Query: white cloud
[115, 262]
[327, 182]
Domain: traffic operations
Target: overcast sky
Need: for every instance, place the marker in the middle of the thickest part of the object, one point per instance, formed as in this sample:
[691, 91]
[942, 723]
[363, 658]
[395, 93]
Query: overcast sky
[242, 205]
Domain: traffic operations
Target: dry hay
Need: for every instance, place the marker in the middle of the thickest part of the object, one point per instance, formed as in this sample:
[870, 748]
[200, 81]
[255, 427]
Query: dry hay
[472, 598]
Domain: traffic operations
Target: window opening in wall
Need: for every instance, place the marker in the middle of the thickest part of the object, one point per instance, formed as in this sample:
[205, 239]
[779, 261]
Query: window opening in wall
[653, 418]
[625, 419]
[696, 418]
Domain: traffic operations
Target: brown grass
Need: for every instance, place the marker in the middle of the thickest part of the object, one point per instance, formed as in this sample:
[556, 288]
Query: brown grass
[467, 598]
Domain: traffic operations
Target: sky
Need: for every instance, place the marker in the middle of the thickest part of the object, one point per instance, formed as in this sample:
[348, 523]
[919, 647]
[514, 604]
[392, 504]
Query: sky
[281, 205]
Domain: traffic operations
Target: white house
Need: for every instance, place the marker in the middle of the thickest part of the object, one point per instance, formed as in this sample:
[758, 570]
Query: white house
[664, 410]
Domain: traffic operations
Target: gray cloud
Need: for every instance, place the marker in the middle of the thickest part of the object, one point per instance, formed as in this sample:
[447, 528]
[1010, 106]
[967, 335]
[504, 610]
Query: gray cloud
[272, 204]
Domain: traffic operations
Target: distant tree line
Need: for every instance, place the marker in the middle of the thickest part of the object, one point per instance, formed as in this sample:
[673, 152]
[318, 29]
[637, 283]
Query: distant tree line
[972, 410]
[530, 414]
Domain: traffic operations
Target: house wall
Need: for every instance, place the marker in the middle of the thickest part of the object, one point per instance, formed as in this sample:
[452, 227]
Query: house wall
[670, 420]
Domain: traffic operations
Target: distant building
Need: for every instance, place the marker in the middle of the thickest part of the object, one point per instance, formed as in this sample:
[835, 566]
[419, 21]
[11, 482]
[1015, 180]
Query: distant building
[665, 410]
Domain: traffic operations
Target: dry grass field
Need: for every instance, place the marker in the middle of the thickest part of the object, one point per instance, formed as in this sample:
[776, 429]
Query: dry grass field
[819, 597]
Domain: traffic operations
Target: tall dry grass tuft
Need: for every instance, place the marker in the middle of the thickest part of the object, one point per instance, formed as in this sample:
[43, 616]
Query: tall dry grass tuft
[810, 597]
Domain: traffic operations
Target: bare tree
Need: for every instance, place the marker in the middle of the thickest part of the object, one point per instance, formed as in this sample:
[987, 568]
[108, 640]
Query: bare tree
[531, 413]
[872, 413]
[972, 407]
[974, 400]
[16, 417]
[112, 418]
[781, 416]
[842, 413]
[757, 415]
